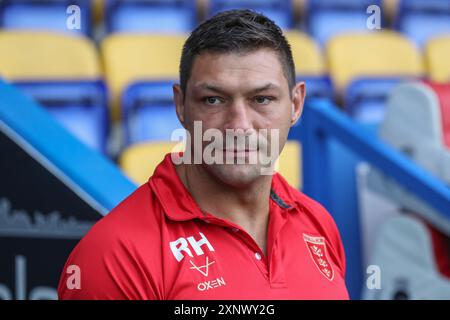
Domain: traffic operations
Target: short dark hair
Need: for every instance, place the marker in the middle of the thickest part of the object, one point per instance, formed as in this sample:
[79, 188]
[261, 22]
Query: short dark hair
[239, 31]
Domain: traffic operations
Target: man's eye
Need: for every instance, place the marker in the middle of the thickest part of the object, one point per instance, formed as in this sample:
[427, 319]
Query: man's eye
[262, 100]
[212, 101]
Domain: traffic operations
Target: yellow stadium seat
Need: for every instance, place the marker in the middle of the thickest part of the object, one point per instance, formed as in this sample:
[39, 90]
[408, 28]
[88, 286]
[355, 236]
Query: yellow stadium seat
[289, 164]
[437, 55]
[62, 73]
[133, 57]
[43, 55]
[373, 54]
[307, 56]
[140, 160]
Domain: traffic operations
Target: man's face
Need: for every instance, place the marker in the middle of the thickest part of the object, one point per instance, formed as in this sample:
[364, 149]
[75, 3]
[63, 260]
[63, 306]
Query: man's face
[240, 93]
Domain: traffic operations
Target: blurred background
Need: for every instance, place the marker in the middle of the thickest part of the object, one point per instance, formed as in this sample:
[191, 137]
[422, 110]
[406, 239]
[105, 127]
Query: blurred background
[86, 113]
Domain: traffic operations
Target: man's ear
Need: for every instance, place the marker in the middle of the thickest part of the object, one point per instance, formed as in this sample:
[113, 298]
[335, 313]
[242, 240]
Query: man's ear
[298, 100]
[178, 98]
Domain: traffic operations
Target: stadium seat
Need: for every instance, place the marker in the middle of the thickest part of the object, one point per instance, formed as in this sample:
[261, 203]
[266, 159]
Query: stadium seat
[149, 112]
[365, 99]
[437, 53]
[150, 15]
[421, 20]
[134, 63]
[280, 11]
[139, 161]
[328, 18]
[131, 58]
[417, 124]
[414, 260]
[443, 93]
[63, 74]
[309, 65]
[289, 164]
[80, 106]
[48, 15]
[377, 61]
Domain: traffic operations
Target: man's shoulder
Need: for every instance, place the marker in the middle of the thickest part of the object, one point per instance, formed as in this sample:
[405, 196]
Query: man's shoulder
[129, 227]
[296, 197]
[309, 208]
[122, 244]
[135, 216]
[316, 220]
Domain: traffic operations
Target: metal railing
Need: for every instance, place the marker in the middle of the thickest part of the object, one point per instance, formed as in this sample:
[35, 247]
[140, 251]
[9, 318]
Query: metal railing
[321, 122]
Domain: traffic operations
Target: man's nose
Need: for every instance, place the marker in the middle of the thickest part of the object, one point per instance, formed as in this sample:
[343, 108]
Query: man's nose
[238, 116]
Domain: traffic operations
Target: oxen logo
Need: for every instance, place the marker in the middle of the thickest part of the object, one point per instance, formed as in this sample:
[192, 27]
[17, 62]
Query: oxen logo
[204, 270]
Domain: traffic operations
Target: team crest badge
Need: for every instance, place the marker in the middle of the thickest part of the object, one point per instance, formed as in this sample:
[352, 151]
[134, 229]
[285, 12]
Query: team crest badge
[318, 251]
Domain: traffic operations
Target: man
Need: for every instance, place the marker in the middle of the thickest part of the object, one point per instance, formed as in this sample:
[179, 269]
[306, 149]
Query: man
[221, 229]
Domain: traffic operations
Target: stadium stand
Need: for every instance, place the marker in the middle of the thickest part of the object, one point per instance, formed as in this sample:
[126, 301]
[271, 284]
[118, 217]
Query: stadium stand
[310, 65]
[328, 18]
[149, 112]
[150, 16]
[47, 15]
[443, 93]
[279, 11]
[53, 189]
[152, 61]
[437, 53]
[364, 67]
[63, 73]
[421, 20]
[416, 124]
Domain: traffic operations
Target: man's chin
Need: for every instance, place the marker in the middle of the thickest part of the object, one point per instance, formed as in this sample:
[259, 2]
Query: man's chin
[236, 175]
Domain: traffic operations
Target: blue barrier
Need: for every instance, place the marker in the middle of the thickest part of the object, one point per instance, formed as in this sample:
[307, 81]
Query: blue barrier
[89, 170]
[53, 188]
[322, 122]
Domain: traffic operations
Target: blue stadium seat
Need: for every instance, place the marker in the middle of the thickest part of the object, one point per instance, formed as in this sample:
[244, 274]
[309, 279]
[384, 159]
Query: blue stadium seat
[327, 18]
[62, 73]
[44, 15]
[150, 15]
[79, 106]
[279, 11]
[421, 20]
[149, 112]
[317, 86]
[365, 98]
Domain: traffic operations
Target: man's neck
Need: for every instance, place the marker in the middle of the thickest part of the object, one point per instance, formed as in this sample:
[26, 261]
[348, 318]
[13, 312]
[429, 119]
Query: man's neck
[247, 207]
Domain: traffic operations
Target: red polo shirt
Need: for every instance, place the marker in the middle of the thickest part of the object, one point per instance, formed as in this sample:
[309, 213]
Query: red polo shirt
[158, 244]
